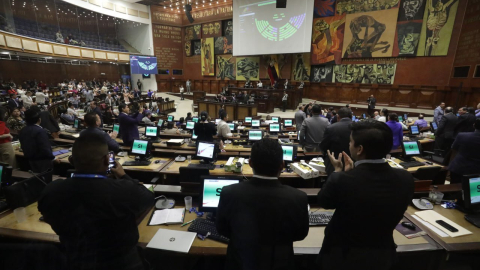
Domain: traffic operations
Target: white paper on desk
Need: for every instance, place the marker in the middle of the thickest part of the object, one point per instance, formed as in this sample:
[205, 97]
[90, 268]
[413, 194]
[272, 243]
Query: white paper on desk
[175, 141]
[168, 216]
[431, 227]
[76, 135]
[431, 216]
[159, 217]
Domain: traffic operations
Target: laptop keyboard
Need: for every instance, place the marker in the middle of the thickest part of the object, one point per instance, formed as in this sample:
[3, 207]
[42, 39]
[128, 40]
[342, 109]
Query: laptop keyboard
[203, 227]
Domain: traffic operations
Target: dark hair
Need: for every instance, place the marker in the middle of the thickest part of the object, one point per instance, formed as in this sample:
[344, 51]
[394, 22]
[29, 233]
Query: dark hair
[182, 119]
[223, 115]
[203, 116]
[385, 112]
[393, 117]
[448, 109]
[375, 137]
[330, 109]
[189, 114]
[345, 112]
[267, 157]
[90, 119]
[88, 150]
[121, 107]
[169, 125]
[471, 110]
[477, 124]
[70, 104]
[316, 109]
[421, 116]
[32, 115]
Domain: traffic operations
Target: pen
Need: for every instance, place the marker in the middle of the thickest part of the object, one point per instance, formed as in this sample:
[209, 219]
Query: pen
[186, 223]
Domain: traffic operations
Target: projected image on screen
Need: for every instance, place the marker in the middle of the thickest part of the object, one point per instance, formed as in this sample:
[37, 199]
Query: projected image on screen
[143, 64]
[261, 28]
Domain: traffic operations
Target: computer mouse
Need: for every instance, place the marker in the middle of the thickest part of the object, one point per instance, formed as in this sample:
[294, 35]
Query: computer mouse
[157, 161]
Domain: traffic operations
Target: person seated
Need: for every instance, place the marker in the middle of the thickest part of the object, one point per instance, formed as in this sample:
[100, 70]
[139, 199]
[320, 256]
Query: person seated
[147, 119]
[397, 130]
[71, 110]
[376, 116]
[367, 189]
[98, 231]
[67, 117]
[15, 121]
[59, 38]
[13, 102]
[92, 122]
[247, 210]
[27, 100]
[171, 129]
[180, 122]
[189, 117]
[420, 122]
[259, 84]
[465, 154]
[384, 115]
[223, 130]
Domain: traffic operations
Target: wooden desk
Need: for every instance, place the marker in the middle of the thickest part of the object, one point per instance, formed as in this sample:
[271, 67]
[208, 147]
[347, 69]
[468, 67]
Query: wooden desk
[466, 243]
[234, 110]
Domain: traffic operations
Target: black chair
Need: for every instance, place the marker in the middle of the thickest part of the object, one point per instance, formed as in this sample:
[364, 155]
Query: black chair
[190, 179]
[427, 173]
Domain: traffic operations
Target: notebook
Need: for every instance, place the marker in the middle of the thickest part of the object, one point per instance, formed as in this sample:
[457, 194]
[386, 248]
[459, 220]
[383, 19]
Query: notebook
[172, 240]
[167, 216]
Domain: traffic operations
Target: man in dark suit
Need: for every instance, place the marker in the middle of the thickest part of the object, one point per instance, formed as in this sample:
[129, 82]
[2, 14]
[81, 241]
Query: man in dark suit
[445, 134]
[371, 105]
[261, 216]
[465, 154]
[337, 137]
[92, 121]
[96, 109]
[129, 124]
[36, 144]
[13, 102]
[465, 121]
[369, 190]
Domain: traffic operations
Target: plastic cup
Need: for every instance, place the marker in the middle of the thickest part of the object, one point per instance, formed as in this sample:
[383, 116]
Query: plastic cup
[188, 203]
[20, 214]
[388, 156]
[439, 198]
[189, 158]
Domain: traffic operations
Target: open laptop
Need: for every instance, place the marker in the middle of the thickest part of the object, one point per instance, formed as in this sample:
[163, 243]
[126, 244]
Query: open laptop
[172, 240]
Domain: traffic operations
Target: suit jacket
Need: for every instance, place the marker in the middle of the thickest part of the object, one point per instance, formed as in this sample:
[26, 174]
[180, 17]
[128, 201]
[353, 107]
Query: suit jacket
[312, 130]
[35, 143]
[13, 103]
[299, 117]
[371, 103]
[262, 218]
[336, 139]
[465, 123]
[129, 126]
[467, 159]
[48, 122]
[369, 192]
[99, 112]
[446, 127]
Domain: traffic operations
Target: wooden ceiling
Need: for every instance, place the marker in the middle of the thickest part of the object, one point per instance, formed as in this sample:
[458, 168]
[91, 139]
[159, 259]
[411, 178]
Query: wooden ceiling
[196, 4]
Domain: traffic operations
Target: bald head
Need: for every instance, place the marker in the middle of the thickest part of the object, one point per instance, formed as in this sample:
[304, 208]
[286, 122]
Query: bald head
[448, 110]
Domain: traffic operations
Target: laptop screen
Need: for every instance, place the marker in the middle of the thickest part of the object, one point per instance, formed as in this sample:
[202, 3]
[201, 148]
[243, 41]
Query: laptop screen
[206, 150]
[212, 189]
[275, 119]
[400, 119]
[195, 119]
[160, 123]
[248, 119]
[75, 123]
[170, 118]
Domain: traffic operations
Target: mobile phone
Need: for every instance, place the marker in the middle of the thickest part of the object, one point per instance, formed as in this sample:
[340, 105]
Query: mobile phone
[111, 162]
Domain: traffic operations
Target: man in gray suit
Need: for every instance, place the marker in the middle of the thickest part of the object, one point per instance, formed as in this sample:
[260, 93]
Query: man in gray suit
[299, 117]
[445, 134]
[312, 130]
[438, 113]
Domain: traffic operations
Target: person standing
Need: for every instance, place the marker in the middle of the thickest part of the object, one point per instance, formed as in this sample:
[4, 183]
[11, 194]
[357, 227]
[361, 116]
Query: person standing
[181, 92]
[420, 122]
[465, 154]
[92, 121]
[300, 116]
[247, 211]
[445, 134]
[221, 111]
[465, 121]
[397, 130]
[438, 113]
[96, 109]
[372, 102]
[7, 154]
[312, 130]
[204, 129]
[369, 183]
[284, 100]
[98, 231]
[129, 124]
[188, 84]
[337, 138]
[139, 85]
[223, 130]
[40, 97]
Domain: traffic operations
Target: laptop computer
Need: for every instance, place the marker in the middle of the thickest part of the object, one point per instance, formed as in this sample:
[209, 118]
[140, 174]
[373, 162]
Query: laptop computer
[172, 240]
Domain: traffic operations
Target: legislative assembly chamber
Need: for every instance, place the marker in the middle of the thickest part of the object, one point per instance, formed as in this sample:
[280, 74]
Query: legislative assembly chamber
[239, 134]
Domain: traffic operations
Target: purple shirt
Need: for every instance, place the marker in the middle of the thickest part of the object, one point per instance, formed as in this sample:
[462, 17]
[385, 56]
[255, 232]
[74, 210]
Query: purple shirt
[397, 131]
[421, 123]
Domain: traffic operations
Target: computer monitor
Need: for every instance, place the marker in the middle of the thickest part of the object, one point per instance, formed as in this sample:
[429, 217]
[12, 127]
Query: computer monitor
[276, 119]
[232, 126]
[405, 116]
[194, 136]
[274, 128]
[141, 148]
[160, 123]
[76, 123]
[116, 127]
[207, 151]
[211, 188]
[364, 116]
[217, 121]
[287, 122]
[471, 191]
[170, 118]
[190, 125]
[151, 131]
[414, 130]
[289, 152]
[195, 119]
[400, 119]
[434, 126]
[255, 123]
[411, 149]
[248, 119]
[255, 135]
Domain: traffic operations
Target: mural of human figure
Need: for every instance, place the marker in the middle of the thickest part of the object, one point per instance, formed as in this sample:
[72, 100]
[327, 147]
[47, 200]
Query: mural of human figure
[437, 18]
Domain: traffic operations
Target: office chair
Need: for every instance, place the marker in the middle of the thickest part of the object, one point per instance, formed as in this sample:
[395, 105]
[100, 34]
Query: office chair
[426, 173]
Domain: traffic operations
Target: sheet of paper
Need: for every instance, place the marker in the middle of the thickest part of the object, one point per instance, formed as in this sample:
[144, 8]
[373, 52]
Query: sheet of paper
[175, 215]
[431, 227]
[76, 135]
[159, 217]
[175, 141]
[431, 216]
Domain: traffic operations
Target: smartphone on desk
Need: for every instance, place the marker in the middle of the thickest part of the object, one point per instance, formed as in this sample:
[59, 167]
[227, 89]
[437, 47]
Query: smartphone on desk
[111, 162]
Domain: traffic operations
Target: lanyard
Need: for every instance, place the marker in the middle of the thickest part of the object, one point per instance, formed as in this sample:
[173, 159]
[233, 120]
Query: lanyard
[79, 175]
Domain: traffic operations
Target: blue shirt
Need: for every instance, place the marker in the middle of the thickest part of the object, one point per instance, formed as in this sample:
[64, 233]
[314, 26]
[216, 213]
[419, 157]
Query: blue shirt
[421, 123]
[437, 114]
[397, 131]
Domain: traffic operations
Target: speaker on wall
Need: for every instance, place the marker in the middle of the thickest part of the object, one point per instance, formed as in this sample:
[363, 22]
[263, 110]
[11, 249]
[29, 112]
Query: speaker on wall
[188, 9]
[281, 3]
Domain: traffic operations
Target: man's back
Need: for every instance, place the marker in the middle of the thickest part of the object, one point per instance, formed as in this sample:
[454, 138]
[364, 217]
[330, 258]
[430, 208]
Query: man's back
[98, 229]
[314, 128]
[299, 118]
[369, 192]
[262, 218]
[35, 143]
[467, 145]
[446, 128]
[336, 139]
[465, 123]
